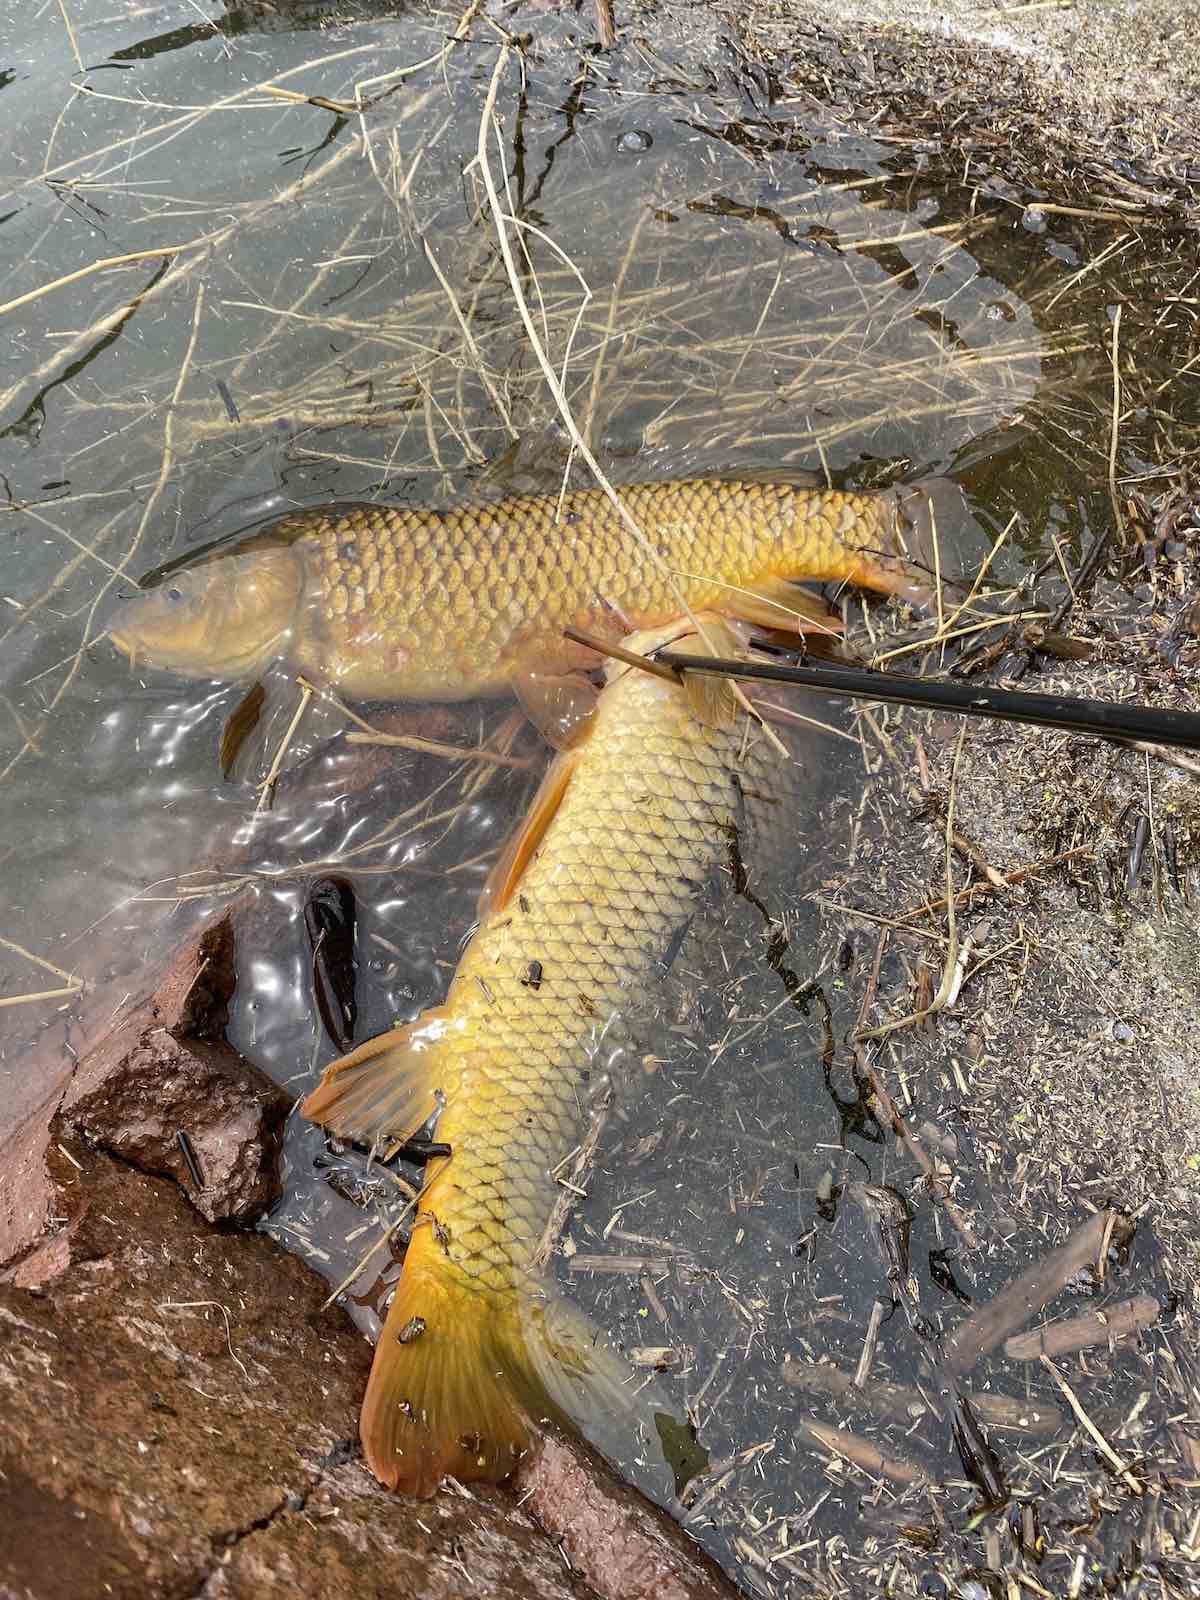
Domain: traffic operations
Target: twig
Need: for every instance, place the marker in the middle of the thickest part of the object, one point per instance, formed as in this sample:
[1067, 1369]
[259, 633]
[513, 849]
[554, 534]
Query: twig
[983, 570]
[1008, 879]
[71, 34]
[469, 339]
[338, 107]
[946, 987]
[196, 1305]
[866, 1357]
[373, 1251]
[1118, 520]
[570, 1188]
[1090, 1328]
[19, 949]
[862, 1453]
[266, 789]
[1025, 1295]
[614, 300]
[618, 652]
[102, 266]
[1089, 1426]
[451, 752]
[42, 994]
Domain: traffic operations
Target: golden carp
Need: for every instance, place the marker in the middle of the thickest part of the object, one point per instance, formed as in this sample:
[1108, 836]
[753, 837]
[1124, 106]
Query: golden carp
[395, 602]
[609, 864]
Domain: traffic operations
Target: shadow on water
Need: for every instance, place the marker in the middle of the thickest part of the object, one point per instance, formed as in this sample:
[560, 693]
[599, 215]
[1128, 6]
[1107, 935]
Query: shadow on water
[300, 303]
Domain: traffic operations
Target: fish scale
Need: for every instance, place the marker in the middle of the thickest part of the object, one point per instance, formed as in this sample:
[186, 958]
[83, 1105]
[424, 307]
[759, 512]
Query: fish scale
[617, 850]
[481, 567]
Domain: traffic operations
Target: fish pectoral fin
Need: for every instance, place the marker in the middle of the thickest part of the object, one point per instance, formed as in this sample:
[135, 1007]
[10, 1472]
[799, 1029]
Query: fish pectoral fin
[560, 705]
[781, 607]
[385, 1088]
[502, 880]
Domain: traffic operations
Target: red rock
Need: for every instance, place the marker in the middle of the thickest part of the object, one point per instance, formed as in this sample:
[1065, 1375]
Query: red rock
[179, 1418]
[623, 1545]
[164, 1067]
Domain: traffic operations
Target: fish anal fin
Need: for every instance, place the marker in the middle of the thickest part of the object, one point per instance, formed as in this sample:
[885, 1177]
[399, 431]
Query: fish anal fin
[502, 880]
[385, 1088]
[560, 705]
[781, 607]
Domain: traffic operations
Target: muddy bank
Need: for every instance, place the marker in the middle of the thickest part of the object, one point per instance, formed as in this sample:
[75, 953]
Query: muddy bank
[1087, 78]
[181, 1402]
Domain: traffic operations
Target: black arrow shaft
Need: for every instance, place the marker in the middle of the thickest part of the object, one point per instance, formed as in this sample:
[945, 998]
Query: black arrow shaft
[1180, 729]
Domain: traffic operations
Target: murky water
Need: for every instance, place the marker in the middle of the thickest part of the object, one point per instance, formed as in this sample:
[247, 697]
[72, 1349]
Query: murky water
[224, 292]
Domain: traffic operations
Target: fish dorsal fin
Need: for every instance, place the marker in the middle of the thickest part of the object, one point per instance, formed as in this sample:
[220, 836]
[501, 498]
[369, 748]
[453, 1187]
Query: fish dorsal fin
[516, 855]
[387, 1088]
[794, 477]
[560, 705]
[782, 607]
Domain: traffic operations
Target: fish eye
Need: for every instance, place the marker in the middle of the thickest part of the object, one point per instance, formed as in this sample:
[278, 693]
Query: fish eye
[174, 594]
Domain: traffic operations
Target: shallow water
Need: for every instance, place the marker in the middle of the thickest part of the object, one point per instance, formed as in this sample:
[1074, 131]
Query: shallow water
[728, 278]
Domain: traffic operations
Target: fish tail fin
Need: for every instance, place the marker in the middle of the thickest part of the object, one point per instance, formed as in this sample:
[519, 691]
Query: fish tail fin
[916, 545]
[464, 1376]
[438, 1401]
[384, 1088]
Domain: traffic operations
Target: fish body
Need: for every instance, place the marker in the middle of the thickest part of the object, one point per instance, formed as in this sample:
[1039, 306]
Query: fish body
[625, 832]
[397, 602]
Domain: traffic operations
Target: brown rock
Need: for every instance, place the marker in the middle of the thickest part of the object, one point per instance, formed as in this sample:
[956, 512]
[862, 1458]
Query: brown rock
[176, 1422]
[164, 1068]
[625, 1547]
[24, 1187]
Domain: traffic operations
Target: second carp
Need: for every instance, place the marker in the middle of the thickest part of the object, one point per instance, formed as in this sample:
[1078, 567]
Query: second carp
[396, 602]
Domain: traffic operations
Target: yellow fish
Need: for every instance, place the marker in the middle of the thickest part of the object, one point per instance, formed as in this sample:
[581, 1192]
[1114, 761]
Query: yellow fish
[609, 864]
[394, 602]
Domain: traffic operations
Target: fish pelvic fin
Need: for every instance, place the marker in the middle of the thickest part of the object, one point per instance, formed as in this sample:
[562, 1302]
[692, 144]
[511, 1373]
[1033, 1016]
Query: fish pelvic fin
[465, 1377]
[387, 1087]
[559, 704]
[781, 607]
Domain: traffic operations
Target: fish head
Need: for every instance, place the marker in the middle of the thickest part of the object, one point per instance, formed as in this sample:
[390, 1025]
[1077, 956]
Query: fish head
[224, 619]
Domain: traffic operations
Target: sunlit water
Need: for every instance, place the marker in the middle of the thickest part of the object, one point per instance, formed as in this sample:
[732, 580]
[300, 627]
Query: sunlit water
[724, 284]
